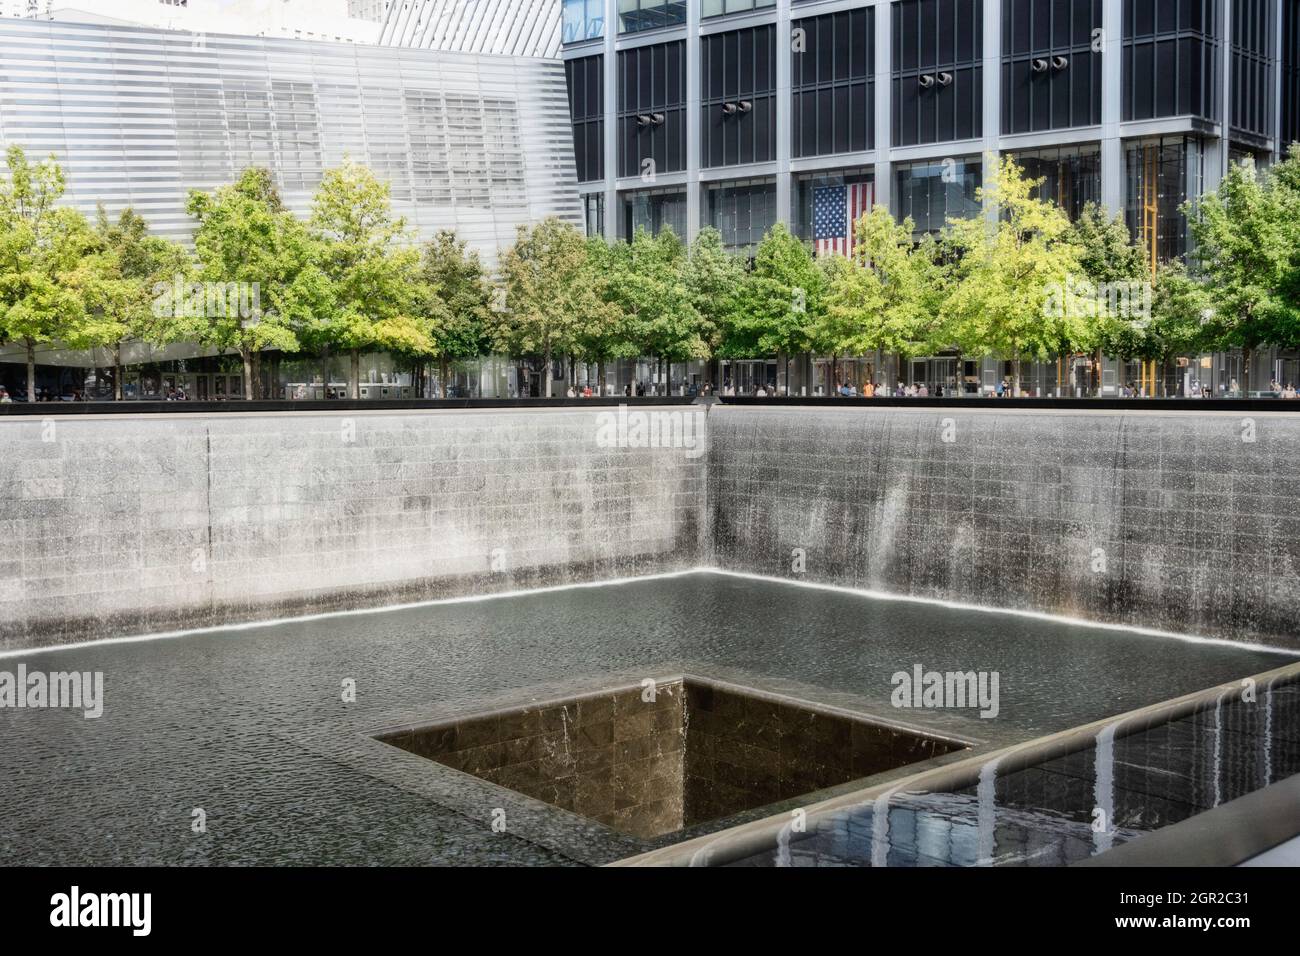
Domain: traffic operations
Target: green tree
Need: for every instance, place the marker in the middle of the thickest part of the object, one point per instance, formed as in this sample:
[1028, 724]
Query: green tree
[1179, 318]
[1245, 235]
[617, 331]
[713, 277]
[657, 309]
[1112, 270]
[42, 248]
[780, 301]
[1010, 271]
[459, 300]
[889, 298]
[128, 284]
[257, 282]
[552, 291]
[376, 296]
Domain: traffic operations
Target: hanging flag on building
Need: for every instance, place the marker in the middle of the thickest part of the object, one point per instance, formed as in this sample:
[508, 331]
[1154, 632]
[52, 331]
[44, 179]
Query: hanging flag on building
[835, 210]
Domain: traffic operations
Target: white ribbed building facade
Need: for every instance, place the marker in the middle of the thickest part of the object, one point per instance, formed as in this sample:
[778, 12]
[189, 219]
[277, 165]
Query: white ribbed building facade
[138, 117]
[509, 27]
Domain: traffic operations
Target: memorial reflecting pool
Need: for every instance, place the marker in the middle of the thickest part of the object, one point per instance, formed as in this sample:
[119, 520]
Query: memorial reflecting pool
[250, 726]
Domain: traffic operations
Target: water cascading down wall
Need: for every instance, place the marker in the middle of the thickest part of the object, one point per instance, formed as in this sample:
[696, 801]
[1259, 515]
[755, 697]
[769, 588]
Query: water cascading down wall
[1182, 521]
[1178, 521]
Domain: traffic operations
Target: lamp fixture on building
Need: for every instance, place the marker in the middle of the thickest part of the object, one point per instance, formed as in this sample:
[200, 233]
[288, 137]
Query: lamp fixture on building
[945, 79]
[745, 106]
[1060, 62]
[728, 108]
[927, 81]
[1040, 65]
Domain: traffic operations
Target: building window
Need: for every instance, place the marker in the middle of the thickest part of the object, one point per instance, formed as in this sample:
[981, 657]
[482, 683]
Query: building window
[1252, 69]
[583, 20]
[1071, 175]
[654, 210]
[1051, 75]
[1290, 66]
[807, 184]
[1162, 174]
[1169, 58]
[933, 193]
[652, 110]
[743, 212]
[587, 110]
[593, 214]
[738, 71]
[635, 16]
[833, 103]
[938, 71]
[718, 8]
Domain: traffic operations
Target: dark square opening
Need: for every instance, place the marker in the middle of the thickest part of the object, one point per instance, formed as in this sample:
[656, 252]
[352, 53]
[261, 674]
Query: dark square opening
[647, 762]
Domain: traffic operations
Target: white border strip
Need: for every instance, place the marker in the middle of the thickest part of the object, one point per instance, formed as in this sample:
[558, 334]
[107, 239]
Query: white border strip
[662, 576]
[985, 609]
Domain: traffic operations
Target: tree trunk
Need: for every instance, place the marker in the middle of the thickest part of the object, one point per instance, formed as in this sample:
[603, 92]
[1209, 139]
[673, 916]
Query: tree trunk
[442, 375]
[117, 371]
[546, 373]
[1247, 357]
[354, 374]
[246, 355]
[1015, 377]
[31, 371]
[257, 375]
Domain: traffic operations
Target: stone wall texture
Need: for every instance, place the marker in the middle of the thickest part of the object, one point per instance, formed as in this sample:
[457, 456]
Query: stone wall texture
[141, 524]
[1183, 522]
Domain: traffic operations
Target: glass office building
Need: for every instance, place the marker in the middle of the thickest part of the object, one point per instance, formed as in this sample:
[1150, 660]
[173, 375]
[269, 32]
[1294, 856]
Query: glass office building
[741, 109]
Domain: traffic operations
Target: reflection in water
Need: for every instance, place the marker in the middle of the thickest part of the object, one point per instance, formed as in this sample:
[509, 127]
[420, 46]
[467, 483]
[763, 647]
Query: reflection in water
[1131, 779]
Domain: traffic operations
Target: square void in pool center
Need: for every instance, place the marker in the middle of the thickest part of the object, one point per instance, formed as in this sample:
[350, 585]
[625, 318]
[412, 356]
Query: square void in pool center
[698, 751]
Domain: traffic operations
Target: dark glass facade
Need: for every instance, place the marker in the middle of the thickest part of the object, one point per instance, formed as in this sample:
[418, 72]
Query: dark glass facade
[938, 71]
[1183, 72]
[1170, 50]
[742, 211]
[1071, 175]
[652, 110]
[933, 193]
[1253, 27]
[1161, 174]
[653, 210]
[738, 92]
[587, 111]
[1051, 64]
[833, 103]
[593, 214]
[1290, 66]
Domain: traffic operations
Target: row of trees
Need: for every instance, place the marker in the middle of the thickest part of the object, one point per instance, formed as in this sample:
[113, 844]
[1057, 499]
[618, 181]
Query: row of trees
[1023, 282]
[347, 280]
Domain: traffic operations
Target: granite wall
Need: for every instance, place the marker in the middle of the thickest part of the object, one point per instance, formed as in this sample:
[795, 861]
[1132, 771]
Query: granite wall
[1182, 521]
[135, 524]
[1178, 521]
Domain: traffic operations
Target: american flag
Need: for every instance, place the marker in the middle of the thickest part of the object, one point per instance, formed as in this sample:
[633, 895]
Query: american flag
[835, 210]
